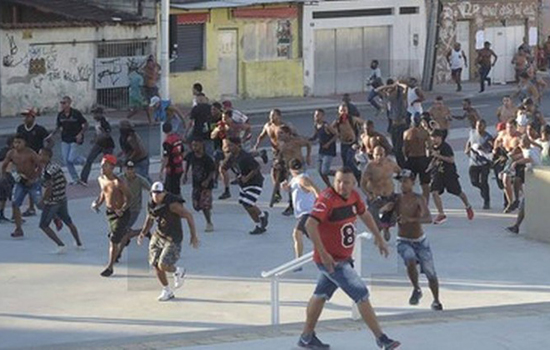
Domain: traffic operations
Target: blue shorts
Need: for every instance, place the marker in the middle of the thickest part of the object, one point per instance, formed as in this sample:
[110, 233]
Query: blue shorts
[418, 252]
[324, 163]
[344, 277]
[51, 211]
[20, 190]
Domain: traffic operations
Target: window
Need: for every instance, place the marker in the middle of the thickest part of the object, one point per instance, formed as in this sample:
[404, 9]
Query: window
[189, 52]
[264, 41]
[409, 10]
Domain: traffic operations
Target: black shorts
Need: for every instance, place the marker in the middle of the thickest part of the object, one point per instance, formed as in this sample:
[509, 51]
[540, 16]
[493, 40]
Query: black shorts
[280, 169]
[118, 225]
[419, 165]
[449, 182]
[172, 183]
[456, 72]
[520, 172]
[301, 225]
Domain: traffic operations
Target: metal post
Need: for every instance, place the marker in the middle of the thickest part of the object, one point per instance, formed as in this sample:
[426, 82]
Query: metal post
[274, 300]
[357, 261]
[164, 49]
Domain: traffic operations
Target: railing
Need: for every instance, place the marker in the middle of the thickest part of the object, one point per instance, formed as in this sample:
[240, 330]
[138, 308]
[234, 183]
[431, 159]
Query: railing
[281, 270]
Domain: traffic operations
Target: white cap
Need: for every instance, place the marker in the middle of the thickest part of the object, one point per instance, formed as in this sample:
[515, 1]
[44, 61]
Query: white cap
[157, 187]
[154, 101]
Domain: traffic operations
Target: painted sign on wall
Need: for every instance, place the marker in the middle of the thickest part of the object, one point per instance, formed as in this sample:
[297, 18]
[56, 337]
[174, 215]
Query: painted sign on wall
[113, 72]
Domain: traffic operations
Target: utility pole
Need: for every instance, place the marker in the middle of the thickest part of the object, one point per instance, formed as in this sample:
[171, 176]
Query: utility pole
[165, 50]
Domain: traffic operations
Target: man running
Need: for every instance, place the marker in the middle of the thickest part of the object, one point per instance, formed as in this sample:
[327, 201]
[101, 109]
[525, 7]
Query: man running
[507, 111]
[171, 168]
[132, 148]
[445, 177]
[470, 113]
[479, 148]
[416, 145]
[442, 115]
[397, 117]
[165, 245]
[327, 136]
[6, 181]
[377, 184]
[304, 194]
[485, 63]
[370, 139]
[102, 144]
[348, 127]
[54, 201]
[203, 180]
[28, 167]
[415, 97]
[506, 147]
[457, 61]
[251, 181]
[412, 244]
[116, 196]
[331, 228]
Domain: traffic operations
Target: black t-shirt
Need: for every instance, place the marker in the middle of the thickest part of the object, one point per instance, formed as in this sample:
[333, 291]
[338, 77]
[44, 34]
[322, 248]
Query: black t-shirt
[245, 163]
[34, 137]
[201, 115]
[202, 168]
[168, 223]
[71, 125]
[445, 167]
[103, 132]
[324, 137]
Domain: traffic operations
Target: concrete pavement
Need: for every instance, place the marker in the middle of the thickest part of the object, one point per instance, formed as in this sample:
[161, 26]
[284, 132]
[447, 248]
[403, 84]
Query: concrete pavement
[60, 302]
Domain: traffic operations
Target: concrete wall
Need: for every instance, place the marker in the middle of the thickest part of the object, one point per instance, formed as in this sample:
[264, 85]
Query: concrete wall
[407, 59]
[545, 20]
[256, 79]
[537, 194]
[42, 65]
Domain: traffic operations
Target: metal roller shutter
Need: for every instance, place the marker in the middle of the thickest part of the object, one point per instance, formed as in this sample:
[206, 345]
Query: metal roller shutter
[190, 40]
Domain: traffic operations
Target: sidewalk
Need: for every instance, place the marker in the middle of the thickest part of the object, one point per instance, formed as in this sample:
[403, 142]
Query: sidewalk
[259, 108]
[60, 302]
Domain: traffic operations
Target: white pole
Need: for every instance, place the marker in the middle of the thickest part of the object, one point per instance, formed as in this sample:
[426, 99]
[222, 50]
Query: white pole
[164, 49]
[275, 300]
[357, 257]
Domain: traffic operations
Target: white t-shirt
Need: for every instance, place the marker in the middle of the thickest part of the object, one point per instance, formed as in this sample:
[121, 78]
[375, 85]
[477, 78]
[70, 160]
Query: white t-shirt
[534, 153]
[417, 106]
[302, 201]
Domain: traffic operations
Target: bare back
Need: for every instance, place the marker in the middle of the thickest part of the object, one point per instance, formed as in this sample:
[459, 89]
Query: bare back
[441, 115]
[415, 142]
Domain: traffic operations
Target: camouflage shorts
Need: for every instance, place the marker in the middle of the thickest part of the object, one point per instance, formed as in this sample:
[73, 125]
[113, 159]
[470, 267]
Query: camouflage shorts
[163, 251]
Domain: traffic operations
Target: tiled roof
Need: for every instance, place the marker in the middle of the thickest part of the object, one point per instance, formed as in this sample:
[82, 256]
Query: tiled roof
[76, 13]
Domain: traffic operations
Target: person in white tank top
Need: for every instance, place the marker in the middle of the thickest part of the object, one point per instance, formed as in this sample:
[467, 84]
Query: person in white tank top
[457, 61]
[415, 97]
[304, 193]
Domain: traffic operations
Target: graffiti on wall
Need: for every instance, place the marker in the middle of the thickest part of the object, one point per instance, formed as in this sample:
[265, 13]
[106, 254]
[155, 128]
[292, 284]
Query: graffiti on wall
[284, 38]
[114, 72]
[479, 14]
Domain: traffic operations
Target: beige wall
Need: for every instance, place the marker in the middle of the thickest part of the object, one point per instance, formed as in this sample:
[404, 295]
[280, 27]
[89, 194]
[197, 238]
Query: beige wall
[537, 194]
[545, 20]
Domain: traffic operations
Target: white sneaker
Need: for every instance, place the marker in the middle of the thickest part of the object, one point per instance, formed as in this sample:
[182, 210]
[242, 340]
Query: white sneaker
[165, 295]
[60, 250]
[80, 247]
[178, 277]
[209, 228]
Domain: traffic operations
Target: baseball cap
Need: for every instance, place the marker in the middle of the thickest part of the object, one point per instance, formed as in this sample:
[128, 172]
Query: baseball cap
[295, 164]
[405, 173]
[130, 164]
[109, 158]
[29, 111]
[501, 126]
[227, 104]
[154, 101]
[157, 187]
[437, 132]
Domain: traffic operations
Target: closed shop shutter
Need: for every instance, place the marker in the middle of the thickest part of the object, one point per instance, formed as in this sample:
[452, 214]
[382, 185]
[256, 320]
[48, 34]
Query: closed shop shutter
[190, 52]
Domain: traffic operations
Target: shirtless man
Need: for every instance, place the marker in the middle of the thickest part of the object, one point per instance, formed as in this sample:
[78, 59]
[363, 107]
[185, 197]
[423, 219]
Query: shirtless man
[116, 195]
[377, 184]
[290, 147]
[507, 111]
[416, 145]
[442, 115]
[348, 131]
[511, 178]
[485, 63]
[371, 138]
[28, 167]
[520, 62]
[412, 244]
[470, 113]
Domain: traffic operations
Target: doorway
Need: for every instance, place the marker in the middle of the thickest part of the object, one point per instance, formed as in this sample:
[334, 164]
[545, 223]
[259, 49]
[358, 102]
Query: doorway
[228, 63]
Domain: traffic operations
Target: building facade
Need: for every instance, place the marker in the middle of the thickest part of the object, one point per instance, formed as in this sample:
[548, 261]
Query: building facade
[69, 48]
[503, 23]
[341, 38]
[235, 51]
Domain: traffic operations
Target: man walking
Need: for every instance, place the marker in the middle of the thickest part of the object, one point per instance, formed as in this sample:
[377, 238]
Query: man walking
[102, 144]
[54, 201]
[479, 148]
[331, 228]
[485, 63]
[73, 125]
[165, 245]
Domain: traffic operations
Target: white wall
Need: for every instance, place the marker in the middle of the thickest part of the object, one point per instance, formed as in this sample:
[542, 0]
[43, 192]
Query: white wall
[68, 54]
[407, 59]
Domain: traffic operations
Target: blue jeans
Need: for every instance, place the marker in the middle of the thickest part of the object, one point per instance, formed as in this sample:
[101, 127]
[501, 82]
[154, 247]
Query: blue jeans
[372, 99]
[418, 252]
[94, 153]
[348, 159]
[483, 74]
[324, 163]
[344, 277]
[20, 190]
[72, 157]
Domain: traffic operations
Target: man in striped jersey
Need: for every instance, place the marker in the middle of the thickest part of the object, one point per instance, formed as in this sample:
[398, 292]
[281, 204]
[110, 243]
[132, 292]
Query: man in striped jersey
[251, 182]
[54, 201]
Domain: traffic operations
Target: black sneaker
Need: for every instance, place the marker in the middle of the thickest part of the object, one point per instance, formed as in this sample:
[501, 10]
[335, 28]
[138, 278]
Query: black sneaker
[226, 194]
[436, 306]
[288, 211]
[386, 343]
[257, 230]
[513, 229]
[314, 343]
[387, 234]
[486, 206]
[4, 219]
[489, 81]
[277, 197]
[263, 155]
[415, 297]
[511, 207]
[264, 220]
[107, 272]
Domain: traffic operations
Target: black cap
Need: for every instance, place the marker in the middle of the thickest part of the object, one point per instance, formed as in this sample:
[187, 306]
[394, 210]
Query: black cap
[438, 132]
[129, 164]
[295, 164]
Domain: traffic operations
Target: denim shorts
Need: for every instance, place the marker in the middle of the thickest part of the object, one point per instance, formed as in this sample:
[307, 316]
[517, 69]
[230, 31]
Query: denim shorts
[50, 211]
[418, 252]
[324, 163]
[344, 277]
[21, 190]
